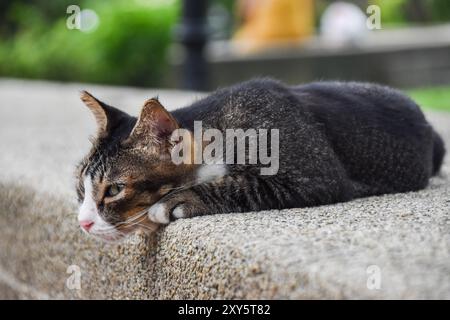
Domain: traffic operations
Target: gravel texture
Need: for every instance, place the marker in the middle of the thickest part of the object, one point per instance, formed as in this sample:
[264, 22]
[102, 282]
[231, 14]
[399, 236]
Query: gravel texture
[321, 252]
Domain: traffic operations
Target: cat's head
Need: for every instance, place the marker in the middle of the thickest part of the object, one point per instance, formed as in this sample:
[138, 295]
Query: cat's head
[127, 170]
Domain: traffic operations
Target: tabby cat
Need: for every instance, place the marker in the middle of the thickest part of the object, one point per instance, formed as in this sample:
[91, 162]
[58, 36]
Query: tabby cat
[337, 142]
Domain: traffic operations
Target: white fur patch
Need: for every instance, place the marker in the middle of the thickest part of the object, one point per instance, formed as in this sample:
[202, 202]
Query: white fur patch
[158, 213]
[178, 212]
[88, 211]
[210, 172]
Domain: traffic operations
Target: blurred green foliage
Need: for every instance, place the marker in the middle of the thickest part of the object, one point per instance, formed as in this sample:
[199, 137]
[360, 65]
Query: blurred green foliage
[392, 11]
[435, 98]
[397, 12]
[128, 47]
[440, 10]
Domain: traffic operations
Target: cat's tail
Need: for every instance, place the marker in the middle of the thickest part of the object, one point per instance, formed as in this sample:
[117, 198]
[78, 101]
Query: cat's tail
[438, 152]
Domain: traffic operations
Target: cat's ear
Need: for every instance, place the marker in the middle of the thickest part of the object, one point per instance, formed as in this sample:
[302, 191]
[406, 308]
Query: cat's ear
[107, 117]
[154, 122]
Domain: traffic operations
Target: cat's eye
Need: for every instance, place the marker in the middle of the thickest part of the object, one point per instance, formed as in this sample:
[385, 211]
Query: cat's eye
[114, 189]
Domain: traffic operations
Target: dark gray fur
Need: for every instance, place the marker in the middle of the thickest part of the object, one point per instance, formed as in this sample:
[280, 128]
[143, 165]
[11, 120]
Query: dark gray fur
[338, 141]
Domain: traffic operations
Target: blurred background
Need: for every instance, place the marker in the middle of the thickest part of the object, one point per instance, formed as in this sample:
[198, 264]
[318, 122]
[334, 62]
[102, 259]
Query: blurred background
[201, 45]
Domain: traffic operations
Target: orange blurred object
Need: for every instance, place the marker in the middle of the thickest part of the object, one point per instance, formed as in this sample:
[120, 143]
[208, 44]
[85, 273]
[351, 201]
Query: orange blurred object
[269, 22]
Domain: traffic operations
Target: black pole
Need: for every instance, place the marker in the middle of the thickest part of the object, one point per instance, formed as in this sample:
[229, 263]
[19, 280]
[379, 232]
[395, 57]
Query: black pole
[192, 33]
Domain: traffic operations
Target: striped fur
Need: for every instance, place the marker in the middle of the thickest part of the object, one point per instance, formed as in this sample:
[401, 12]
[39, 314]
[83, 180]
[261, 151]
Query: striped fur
[338, 141]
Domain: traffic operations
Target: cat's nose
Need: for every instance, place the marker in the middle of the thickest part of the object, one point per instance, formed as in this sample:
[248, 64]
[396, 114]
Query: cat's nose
[86, 224]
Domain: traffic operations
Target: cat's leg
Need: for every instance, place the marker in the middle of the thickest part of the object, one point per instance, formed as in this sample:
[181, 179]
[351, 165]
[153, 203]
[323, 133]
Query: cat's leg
[244, 193]
[238, 193]
[182, 204]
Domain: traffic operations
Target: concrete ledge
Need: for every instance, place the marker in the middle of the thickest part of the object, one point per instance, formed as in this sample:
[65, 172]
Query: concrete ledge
[321, 252]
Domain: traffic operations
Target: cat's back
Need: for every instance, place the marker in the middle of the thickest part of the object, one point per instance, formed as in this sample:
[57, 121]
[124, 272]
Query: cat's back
[269, 98]
[378, 133]
[352, 107]
[355, 97]
[341, 110]
[247, 104]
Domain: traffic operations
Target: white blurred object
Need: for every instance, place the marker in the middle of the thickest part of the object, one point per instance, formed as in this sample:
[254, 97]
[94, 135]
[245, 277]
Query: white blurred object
[343, 23]
[89, 20]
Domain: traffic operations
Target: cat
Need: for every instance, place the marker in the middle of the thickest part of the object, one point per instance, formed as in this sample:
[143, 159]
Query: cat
[337, 142]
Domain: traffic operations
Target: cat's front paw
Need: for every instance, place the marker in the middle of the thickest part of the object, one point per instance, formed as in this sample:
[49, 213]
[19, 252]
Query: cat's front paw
[162, 213]
[176, 206]
[158, 213]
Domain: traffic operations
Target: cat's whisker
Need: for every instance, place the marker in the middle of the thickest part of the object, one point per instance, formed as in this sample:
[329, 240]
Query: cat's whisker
[107, 231]
[140, 214]
[184, 187]
[145, 227]
[129, 223]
